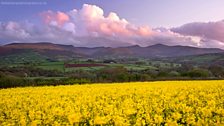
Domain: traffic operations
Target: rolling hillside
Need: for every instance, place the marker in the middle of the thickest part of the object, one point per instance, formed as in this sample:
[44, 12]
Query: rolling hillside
[64, 52]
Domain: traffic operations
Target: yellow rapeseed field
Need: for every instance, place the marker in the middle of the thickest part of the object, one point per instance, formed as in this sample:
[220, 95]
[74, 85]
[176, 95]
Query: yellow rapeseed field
[142, 103]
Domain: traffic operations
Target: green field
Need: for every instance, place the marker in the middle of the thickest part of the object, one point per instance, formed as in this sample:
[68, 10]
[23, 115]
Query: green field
[60, 66]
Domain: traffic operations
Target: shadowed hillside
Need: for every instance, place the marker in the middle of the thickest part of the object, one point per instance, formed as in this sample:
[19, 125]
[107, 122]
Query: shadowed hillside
[54, 51]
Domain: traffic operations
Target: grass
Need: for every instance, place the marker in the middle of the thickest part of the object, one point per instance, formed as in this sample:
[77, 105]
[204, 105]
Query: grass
[52, 66]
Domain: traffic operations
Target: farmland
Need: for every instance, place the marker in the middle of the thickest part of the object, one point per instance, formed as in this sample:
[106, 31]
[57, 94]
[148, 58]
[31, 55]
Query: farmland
[141, 103]
[36, 66]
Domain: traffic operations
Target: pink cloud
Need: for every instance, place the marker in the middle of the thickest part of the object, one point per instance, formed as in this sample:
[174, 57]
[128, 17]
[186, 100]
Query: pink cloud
[91, 20]
[144, 31]
[111, 25]
[54, 17]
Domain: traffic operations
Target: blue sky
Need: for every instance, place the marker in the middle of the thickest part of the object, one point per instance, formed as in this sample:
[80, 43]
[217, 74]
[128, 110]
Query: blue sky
[156, 13]
[113, 22]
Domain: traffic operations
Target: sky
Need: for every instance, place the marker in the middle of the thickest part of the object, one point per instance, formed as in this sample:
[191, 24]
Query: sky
[113, 23]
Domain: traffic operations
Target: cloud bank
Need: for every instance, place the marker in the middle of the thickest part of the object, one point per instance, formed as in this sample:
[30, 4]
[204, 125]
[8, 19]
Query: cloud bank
[90, 27]
[211, 33]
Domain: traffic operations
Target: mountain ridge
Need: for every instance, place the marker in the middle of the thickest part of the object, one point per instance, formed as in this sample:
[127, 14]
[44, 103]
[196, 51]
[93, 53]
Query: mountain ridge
[157, 50]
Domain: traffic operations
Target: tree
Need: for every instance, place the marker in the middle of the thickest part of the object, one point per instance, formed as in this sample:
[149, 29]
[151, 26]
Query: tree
[216, 70]
[197, 73]
[113, 74]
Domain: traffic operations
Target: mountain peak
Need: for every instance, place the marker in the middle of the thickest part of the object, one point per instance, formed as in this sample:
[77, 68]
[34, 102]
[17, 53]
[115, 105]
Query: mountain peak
[158, 45]
[134, 46]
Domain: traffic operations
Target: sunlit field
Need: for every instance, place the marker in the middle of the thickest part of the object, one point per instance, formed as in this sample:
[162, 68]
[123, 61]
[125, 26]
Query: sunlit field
[143, 103]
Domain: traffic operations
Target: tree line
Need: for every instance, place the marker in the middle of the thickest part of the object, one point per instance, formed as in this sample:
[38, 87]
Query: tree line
[29, 76]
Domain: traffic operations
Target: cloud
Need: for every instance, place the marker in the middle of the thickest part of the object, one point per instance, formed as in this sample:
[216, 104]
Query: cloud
[90, 27]
[94, 28]
[70, 27]
[29, 32]
[91, 19]
[212, 32]
[166, 36]
[54, 18]
[12, 30]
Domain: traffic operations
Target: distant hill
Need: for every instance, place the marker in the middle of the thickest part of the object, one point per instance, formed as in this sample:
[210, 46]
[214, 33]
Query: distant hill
[203, 59]
[49, 50]
[39, 46]
[63, 52]
[154, 51]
